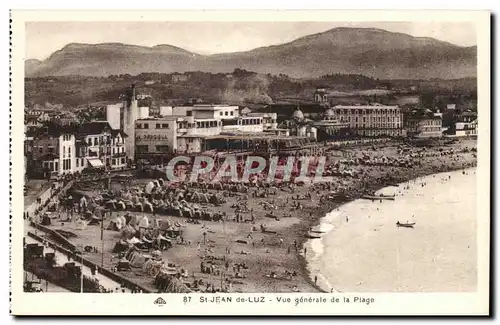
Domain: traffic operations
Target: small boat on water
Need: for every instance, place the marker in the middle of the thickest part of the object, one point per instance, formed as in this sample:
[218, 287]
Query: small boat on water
[379, 197]
[313, 235]
[317, 230]
[405, 225]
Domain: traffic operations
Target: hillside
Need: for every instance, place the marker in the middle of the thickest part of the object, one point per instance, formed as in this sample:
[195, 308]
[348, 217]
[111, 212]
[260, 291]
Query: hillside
[371, 52]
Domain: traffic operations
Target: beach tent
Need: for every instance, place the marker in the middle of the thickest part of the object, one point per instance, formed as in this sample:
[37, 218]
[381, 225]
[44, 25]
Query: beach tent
[128, 231]
[111, 204]
[120, 246]
[147, 266]
[164, 242]
[80, 224]
[176, 286]
[83, 202]
[46, 221]
[121, 205]
[148, 207]
[123, 265]
[133, 241]
[116, 224]
[133, 220]
[144, 222]
[137, 259]
[164, 224]
[149, 187]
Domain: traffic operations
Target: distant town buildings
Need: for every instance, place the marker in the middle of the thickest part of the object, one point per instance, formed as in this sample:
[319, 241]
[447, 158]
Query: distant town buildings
[177, 78]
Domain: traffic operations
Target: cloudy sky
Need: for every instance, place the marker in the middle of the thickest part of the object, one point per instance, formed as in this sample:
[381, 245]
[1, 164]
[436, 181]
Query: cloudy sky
[43, 38]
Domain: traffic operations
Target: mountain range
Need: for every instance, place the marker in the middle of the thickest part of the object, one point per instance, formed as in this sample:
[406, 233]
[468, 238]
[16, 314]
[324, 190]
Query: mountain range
[368, 51]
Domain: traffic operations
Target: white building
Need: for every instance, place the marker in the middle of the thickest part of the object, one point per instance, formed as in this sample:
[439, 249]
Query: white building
[187, 127]
[467, 124]
[372, 120]
[143, 112]
[113, 115]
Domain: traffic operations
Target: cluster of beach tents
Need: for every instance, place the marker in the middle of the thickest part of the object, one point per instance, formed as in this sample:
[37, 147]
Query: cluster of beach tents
[153, 265]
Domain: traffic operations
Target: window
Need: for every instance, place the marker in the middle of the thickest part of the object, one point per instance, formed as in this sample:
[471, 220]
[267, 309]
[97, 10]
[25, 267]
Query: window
[158, 126]
[50, 149]
[40, 149]
[90, 141]
[189, 113]
[113, 162]
[162, 148]
[96, 141]
[56, 165]
[142, 149]
[123, 160]
[146, 126]
[77, 163]
[164, 126]
[69, 151]
[220, 113]
[81, 163]
[225, 113]
[123, 149]
[232, 113]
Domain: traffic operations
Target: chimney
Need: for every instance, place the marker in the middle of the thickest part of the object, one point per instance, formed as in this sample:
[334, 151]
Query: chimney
[133, 92]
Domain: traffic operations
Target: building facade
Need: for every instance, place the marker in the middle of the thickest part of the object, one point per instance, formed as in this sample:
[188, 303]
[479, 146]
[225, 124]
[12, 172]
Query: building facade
[188, 128]
[372, 120]
[58, 150]
[430, 126]
[53, 152]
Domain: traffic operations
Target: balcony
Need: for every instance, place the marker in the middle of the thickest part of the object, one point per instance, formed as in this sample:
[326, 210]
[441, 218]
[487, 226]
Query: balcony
[119, 155]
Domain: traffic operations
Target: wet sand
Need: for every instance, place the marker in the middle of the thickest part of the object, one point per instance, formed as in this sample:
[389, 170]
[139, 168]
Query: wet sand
[265, 253]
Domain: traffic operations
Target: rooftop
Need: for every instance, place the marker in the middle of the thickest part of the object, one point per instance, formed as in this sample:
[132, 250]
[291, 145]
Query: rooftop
[97, 127]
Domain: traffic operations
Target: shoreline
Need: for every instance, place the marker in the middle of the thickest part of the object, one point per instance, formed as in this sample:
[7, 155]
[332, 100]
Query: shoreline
[409, 175]
[308, 242]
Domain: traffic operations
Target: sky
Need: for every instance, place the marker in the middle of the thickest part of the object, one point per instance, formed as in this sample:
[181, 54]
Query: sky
[44, 38]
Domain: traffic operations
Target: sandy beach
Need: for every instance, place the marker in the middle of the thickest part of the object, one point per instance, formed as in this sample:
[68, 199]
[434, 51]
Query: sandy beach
[265, 259]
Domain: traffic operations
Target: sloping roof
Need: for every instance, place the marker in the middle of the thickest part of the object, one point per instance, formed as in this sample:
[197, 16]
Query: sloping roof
[53, 130]
[114, 133]
[94, 128]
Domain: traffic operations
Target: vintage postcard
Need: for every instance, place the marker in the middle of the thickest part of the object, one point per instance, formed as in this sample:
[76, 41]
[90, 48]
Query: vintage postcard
[250, 162]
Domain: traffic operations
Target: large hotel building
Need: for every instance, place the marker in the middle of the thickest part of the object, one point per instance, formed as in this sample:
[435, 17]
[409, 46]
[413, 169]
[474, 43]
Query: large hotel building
[372, 120]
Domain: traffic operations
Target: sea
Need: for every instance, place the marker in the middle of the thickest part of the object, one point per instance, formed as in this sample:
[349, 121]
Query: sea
[362, 250]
